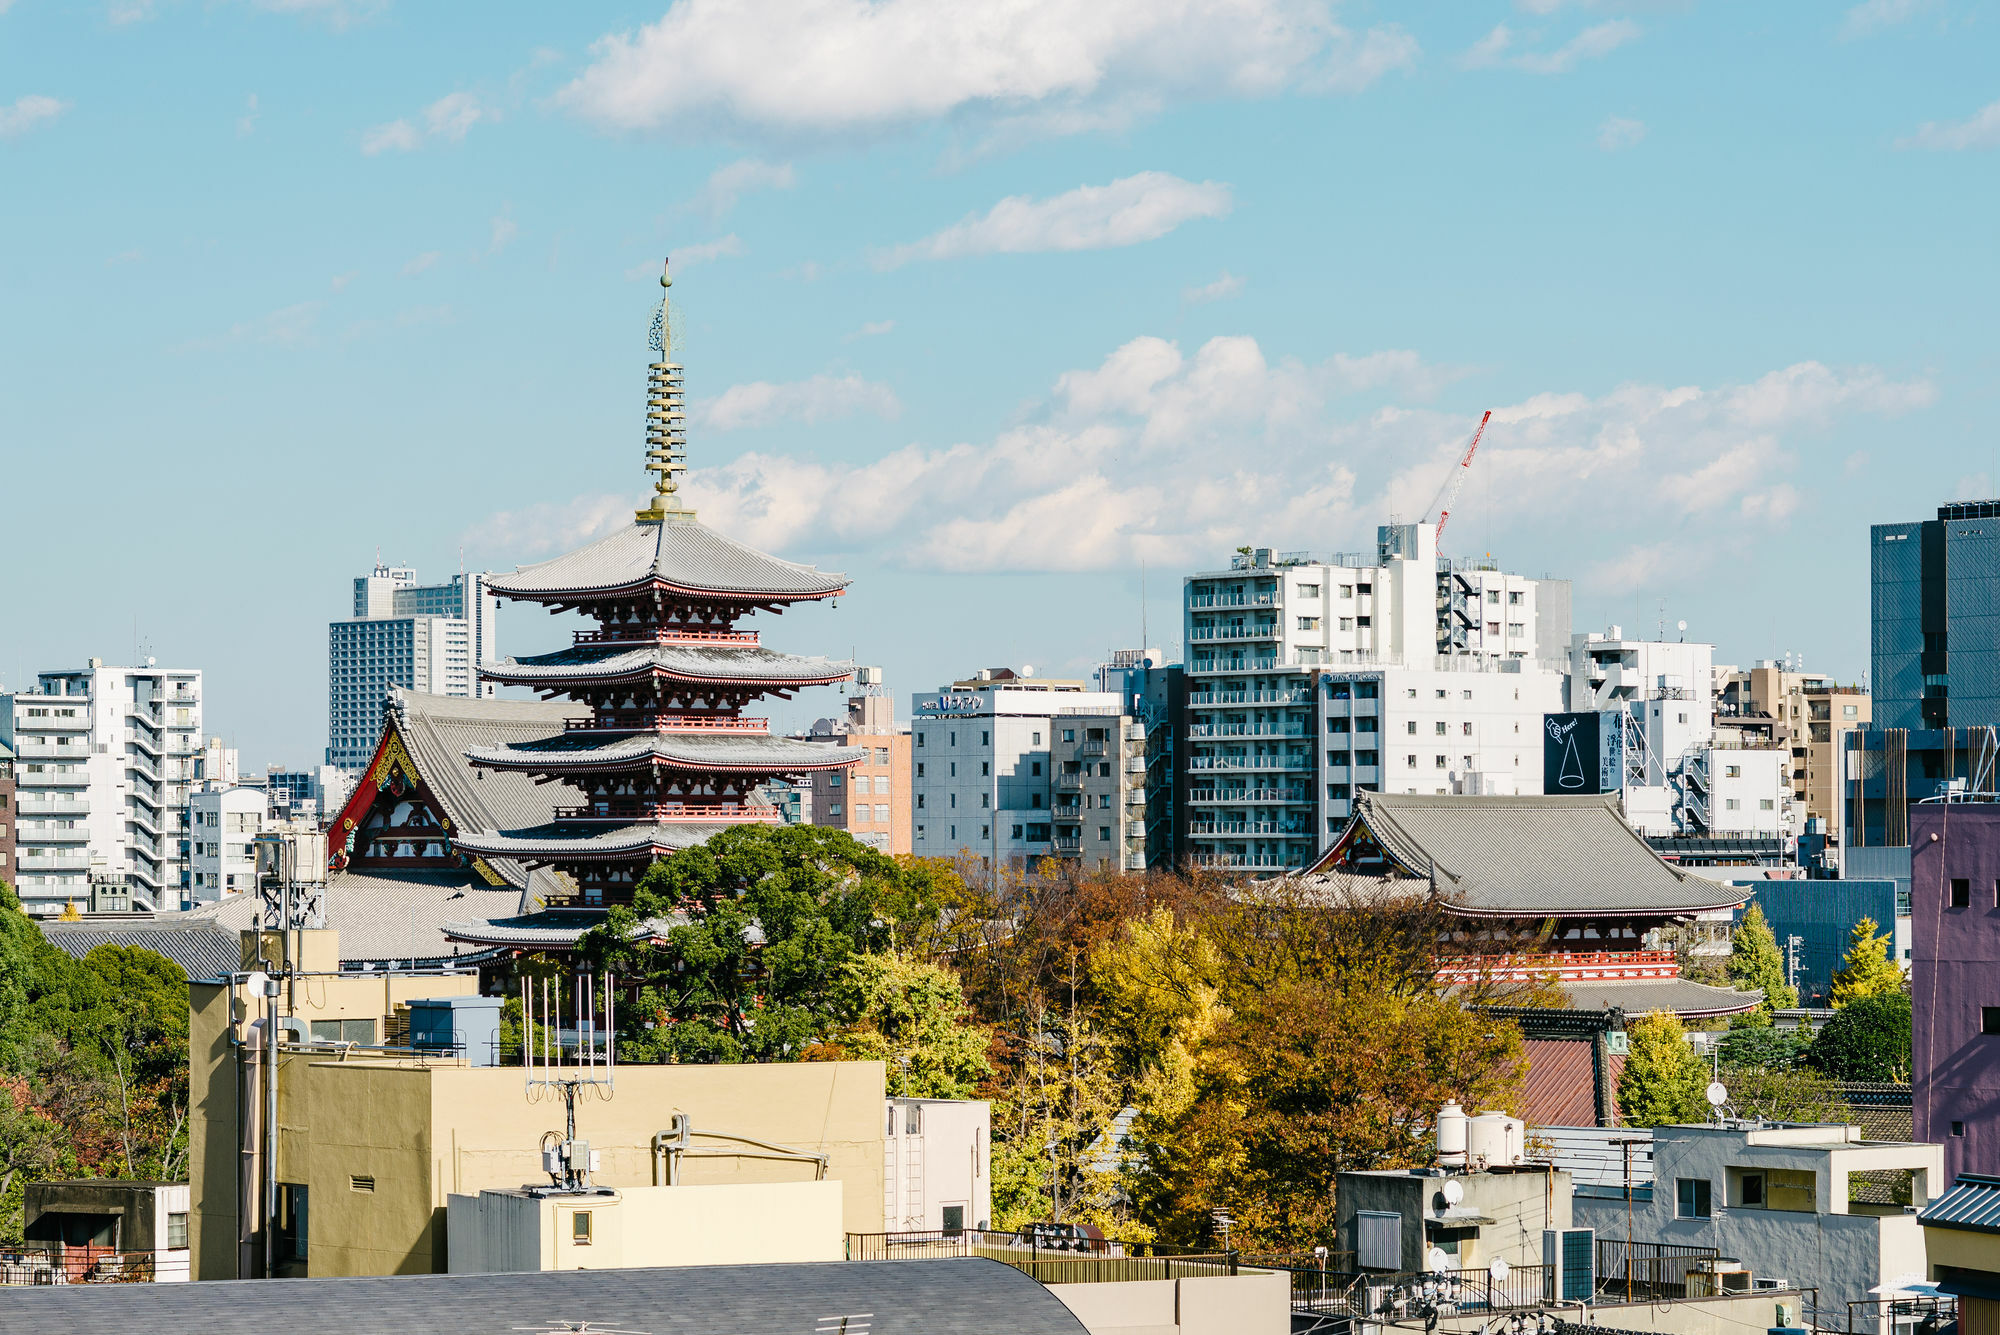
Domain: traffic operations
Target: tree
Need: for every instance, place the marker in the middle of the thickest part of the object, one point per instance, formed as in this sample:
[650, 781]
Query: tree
[1755, 965]
[1764, 1048]
[1056, 1152]
[912, 1017]
[1663, 1081]
[1784, 1095]
[1868, 1039]
[1866, 970]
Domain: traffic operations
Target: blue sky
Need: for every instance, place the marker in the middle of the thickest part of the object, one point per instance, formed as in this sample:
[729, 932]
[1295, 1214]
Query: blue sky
[985, 304]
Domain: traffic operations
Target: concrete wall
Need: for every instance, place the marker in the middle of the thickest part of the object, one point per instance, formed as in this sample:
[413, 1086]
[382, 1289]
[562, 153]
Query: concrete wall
[943, 1163]
[1744, 1315]
[1955, 1069]
[1520, 1206]
[1252, 1303]
[745, 1224]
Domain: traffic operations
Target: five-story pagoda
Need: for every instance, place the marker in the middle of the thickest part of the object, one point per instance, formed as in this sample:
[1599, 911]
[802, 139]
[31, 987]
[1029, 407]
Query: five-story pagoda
[667, 757]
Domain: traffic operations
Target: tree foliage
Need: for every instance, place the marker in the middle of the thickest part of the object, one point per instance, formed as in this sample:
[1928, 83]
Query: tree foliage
[1785, 1095]
[1868, 1039]
[1756, 965]
[1664, 1080]
[1764, 1048]
[912, 1017]
[1866, 970]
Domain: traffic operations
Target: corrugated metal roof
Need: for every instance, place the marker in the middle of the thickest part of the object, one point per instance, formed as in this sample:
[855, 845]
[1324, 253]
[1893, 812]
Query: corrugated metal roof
[1532, 855]
[1972, 1205]
[953, 1296]
[1592, 1156]
[683, 662]
[679, 553]
[757, 752]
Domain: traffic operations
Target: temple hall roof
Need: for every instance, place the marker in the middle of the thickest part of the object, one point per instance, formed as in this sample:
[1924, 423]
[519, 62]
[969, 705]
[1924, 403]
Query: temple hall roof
[583, 842]
[1676, 996]
[586, 752]
[687, 662]
[677, 553]
[1525, 855]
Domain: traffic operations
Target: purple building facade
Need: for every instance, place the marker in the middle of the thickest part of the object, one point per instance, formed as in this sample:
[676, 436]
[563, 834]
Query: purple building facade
[1955, 981]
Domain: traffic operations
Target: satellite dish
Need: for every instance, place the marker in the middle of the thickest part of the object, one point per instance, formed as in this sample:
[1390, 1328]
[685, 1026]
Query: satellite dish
[1682, 624]
[1717, 1095]
[1454, 1191]
[1436, 1260]
[1027, 669]
[1498, 1271]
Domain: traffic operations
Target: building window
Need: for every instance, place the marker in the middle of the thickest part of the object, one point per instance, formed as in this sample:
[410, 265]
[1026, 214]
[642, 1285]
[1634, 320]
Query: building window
[1731, 804]
[579, 1228]
[1766, 804]
[1441, 726]
[1069, 734]
[1308, 590]
[1691, 1198]
[1411, 761]
[1989, 1019]
[920, 801]
[1958, 1128]
[920, 769]
[1017, 832]
[833, 808]
[1411, 727]
[1035, 768]
[1732, 771]
[920, 832]
[1038, 739]
[985, 769]
[1440, 763]
[1961, 892]
[177, 1231]
[1514, 599]
[1308, 623]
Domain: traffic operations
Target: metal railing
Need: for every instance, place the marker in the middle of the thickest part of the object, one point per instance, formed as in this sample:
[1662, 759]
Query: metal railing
[1247, 795]
[664, 635]
[60, 1263]
[632, 720]
[1057, 1261]
[716, 812]
[1646, 1269]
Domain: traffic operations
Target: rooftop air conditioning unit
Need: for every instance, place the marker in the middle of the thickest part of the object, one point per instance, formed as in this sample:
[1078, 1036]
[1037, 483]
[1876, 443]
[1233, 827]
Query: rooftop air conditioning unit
[1569, 1265]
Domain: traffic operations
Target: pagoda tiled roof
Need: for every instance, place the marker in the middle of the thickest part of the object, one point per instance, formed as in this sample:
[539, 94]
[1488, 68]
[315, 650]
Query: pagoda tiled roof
[570, 841]
[683, 661]
[550, 929]
[585, 752]
[675, 553]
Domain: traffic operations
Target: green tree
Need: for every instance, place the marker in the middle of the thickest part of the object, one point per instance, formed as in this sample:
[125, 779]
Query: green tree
[1755, 965]
[1663, 1080]
[912, 1017]
[1866, 970]
[1056, 1147]
[1868, 1039]
[1796, 1095]
[1764, 1048]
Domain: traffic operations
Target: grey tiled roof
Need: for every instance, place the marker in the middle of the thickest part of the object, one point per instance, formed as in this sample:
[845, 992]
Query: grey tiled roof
[1677, 996]
[685, 662]
[1972, 1205]
[551, 929]
[955, 1296]
[438, 730]
[755, 752]
[547, 841]
[678, 553]
[201, 947]
[1533, 855]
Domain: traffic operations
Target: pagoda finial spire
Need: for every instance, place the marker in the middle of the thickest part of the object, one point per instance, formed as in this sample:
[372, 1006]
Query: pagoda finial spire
[666, 418]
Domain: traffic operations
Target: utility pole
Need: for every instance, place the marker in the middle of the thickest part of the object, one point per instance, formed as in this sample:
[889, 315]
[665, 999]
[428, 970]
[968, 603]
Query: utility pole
[1626, 1143]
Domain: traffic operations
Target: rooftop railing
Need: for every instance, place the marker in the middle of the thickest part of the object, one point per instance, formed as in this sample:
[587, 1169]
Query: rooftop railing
[706, 813]
[664, 635]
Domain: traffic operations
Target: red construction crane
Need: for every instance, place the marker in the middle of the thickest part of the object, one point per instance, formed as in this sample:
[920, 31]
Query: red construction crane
[1448, 494]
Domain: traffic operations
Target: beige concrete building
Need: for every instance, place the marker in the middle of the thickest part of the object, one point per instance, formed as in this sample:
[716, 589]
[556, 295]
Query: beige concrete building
[1800, 712]
[370, 1144]
[1099, 766]
[871, 800]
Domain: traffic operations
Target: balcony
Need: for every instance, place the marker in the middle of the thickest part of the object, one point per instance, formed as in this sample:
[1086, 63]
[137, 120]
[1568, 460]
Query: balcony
[1219, 828]
[1267, 631]
[1135, 829]
[42, 832]
[1269, 861]
[626, 720]
[1069, 845]
[1244, 730]
[1092, 746]
[1240, 764]
[629, 813]
[1247, 796]
[24, 722]
[1135, 764]
[34, 804]
[37, 859]
[1233, 600]
[1069, 783]
[1135, 860]
[664, 635]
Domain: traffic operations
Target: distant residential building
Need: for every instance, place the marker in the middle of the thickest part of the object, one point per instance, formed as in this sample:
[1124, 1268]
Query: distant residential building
[432, 638]
[104, 757]
[871, 801]
[1311, 679]
[224, 820]
[1803, 713]
[8, 814]
[981, 763]
[1154, 694]
[317, 792]
[1099, 768]
[1955, 1010]
[936, 1176]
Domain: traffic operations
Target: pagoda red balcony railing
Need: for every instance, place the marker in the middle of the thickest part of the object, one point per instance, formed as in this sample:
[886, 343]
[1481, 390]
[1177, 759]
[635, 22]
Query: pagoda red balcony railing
[664, 635]
[624, 721]
[706, 813]
[1568, 966]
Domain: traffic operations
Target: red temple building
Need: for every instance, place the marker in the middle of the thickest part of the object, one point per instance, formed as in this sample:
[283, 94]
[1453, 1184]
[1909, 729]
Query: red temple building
[661, 753]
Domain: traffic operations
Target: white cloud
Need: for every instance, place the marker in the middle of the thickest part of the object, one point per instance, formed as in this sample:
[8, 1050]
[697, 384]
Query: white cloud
[549, 528]
[872, 329]
[1092, 217]
[811, 67]
[1875, 15]
[340, 281]
[1160, 454]
[420, 263]
[1220, 290]
[1618, 133]
[449, 119]
[727, 184]
[701, 253]
[761, 403]
[246, 124]
[1972, 487]
[1981, 130]
[1497, 48]
[504, 232]
[27, 112]
[125, 257]
[288, 326]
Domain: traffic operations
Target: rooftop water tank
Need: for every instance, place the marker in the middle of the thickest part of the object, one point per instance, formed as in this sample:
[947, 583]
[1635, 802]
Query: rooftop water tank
[1451, 1136]
[1494, 1139]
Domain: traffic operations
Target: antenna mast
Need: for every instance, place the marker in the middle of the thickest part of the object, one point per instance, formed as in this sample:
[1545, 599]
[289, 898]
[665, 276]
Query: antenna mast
[564, 1065]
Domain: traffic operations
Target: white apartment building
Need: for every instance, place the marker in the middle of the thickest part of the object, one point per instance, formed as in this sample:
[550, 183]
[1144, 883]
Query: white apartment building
[1677, 773]
[105, 759]
[1394, 670]
[981, 764]
[422, 637]
[936, 1177]
[224, 820]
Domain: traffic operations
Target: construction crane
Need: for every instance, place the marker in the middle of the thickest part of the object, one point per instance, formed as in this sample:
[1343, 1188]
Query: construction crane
[1448, 494]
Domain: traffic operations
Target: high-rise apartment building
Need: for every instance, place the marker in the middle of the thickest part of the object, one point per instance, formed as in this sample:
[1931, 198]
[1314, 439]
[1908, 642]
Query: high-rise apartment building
[424, 637]
[104, 757]
[1153, 695]
[982, 765]
[871, 800]
[6, 813]
[1805, 713]
[224, 820]
[1396, 670]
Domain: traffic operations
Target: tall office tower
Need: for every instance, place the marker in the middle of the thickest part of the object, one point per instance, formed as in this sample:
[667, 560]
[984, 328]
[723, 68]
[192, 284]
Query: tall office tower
[1396, 670]
[424, 637]
[104, 757]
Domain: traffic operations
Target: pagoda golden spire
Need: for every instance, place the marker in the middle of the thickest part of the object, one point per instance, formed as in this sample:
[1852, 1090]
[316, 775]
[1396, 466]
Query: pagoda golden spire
[666, 417]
